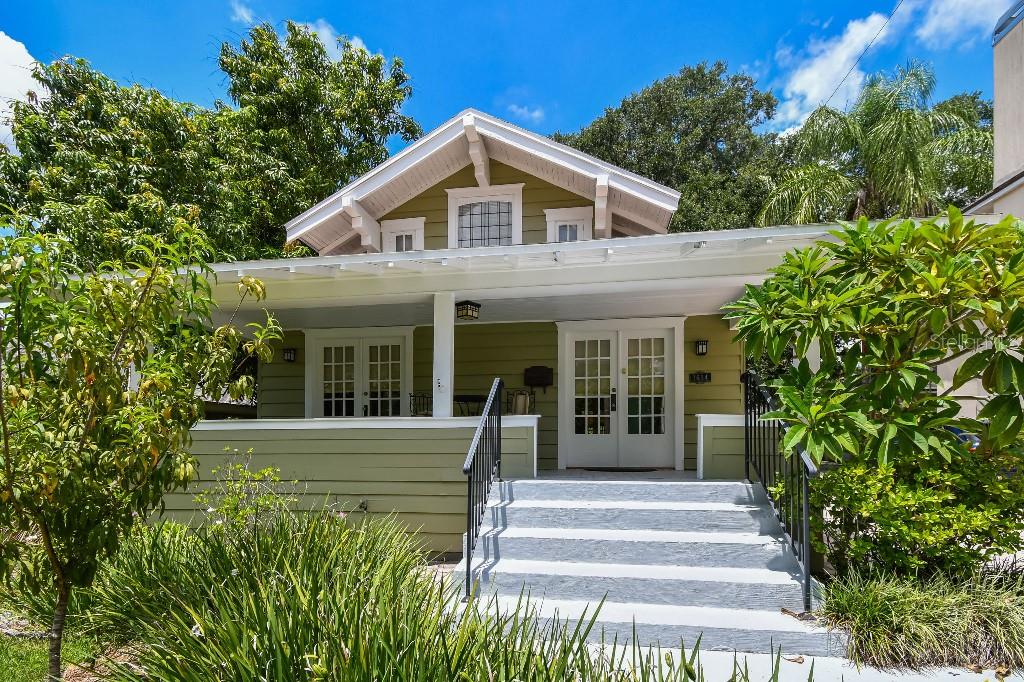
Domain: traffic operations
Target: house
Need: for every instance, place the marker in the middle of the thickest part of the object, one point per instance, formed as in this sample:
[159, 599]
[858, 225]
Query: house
[1007, 195]
[484, 251]
[606, 330]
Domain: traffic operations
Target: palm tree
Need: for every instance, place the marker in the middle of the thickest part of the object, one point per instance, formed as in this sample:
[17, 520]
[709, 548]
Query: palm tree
[889, 155]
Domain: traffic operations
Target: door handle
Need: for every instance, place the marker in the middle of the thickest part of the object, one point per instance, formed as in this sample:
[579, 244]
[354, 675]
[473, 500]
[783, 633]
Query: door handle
[366, 410]
[613, 400]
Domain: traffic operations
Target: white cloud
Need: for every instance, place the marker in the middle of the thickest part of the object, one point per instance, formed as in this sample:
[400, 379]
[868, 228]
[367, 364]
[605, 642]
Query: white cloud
[534, 115]
[329, 37]
[241, 12]
[15, 81]
[959, 23]
[820, 67]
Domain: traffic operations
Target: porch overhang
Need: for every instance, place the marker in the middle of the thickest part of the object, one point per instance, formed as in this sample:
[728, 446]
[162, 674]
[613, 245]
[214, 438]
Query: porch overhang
[695, 273]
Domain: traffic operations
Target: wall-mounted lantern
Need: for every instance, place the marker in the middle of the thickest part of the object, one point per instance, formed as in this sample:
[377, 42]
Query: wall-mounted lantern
[702, 346]
[467, 310]
[288, 354]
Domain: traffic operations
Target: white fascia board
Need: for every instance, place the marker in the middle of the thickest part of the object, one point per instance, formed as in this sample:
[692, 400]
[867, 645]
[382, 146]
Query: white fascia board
[621, 247]
[486, 125]
[376, 178]
[560, 154]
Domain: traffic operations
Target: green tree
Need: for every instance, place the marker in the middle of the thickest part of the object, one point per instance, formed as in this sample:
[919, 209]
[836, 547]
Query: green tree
[695, 132]
[94, 153]
[102, 375]
[304, 125]
[892, 153]
[888, 304]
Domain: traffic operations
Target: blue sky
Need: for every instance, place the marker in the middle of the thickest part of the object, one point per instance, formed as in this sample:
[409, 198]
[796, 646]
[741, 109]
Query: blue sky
[545, 65]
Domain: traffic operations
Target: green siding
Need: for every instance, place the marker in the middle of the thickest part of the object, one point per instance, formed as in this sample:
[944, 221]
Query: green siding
[281, 386]
[485, 351]
[414, 472]
[724, 395]
[537, 196]
[723, 452]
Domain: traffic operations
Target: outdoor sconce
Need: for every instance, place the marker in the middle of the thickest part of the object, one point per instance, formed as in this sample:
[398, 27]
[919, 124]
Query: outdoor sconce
[702, 346]
[288, 354]
[467, 310]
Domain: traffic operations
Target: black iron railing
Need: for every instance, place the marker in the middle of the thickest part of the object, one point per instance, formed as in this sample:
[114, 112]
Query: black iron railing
[786, 480]
[482, 467]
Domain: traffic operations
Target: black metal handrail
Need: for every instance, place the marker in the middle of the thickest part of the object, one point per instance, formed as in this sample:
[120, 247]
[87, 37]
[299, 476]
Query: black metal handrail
[482, 466]
[786, 480]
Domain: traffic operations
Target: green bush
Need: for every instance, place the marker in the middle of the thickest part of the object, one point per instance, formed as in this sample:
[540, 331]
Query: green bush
[313, 597]
[917, 514]
[888, 305]
[902, 622]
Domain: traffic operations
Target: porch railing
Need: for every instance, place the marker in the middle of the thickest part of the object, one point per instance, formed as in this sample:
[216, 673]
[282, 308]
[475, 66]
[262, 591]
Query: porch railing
[482, 467]
[786, 480]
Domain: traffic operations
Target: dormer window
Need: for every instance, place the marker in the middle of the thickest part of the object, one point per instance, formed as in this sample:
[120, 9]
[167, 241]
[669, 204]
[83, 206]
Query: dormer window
[403, 234]
[485, 216]
[570, 224]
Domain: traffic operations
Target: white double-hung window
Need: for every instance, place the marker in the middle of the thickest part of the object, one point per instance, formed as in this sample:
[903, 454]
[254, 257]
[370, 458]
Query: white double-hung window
[570, 224]
[485, 216]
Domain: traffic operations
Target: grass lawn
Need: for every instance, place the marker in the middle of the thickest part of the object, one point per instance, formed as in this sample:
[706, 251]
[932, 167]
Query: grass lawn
[24, 660]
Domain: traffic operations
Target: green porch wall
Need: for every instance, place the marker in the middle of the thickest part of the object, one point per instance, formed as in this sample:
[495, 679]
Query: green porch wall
[537, 195]
[280, 385]
[483, 351]
[724, 395]
[486, 351]
[413, 472]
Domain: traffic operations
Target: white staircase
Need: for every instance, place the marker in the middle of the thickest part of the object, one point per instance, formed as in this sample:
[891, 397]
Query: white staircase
[673, 560]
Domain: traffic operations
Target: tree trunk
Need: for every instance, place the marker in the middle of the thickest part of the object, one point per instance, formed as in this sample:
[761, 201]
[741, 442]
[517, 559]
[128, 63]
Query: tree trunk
[60, 612]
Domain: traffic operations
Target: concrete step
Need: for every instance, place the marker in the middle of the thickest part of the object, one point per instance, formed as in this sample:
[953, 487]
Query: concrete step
[708, 517]
[746, 588]
[721, 629]
[657, 548]
[651, 491]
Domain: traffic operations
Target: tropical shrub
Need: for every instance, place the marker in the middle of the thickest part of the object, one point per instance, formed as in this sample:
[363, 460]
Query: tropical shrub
[888, 304]
[901, 622]
[101, 377]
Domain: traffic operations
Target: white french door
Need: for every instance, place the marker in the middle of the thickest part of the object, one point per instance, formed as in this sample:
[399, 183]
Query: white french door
[622, 398]
[357, 377]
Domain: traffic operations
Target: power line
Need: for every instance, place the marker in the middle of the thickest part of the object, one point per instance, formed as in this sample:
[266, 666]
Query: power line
[864, 52]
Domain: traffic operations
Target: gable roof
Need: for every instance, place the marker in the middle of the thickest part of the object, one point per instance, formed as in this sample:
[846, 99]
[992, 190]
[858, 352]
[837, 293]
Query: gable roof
[633, 204]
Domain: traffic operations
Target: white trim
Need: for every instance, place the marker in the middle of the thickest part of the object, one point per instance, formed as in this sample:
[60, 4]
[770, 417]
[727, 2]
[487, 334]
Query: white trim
[706, 421]
[389, 229]
[582, 215]
[443, 365]
[485, 126]
[316, 339]
[568, 328]
[459, 196]
[318, 423]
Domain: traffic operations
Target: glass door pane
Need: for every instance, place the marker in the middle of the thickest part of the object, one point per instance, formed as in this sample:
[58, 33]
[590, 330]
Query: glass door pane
[645, 385]
[383, 379]
[593, 386]
[339, 381]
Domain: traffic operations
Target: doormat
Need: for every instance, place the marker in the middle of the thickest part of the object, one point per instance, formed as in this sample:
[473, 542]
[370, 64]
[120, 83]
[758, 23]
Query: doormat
[619, 469]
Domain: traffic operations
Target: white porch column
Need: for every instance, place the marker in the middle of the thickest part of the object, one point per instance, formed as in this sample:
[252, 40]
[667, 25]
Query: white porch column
[444, 353]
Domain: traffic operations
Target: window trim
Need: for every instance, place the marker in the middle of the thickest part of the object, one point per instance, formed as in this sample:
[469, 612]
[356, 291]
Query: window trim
[578, 214]
[389, 229]
[459, 196]
[316, 339]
